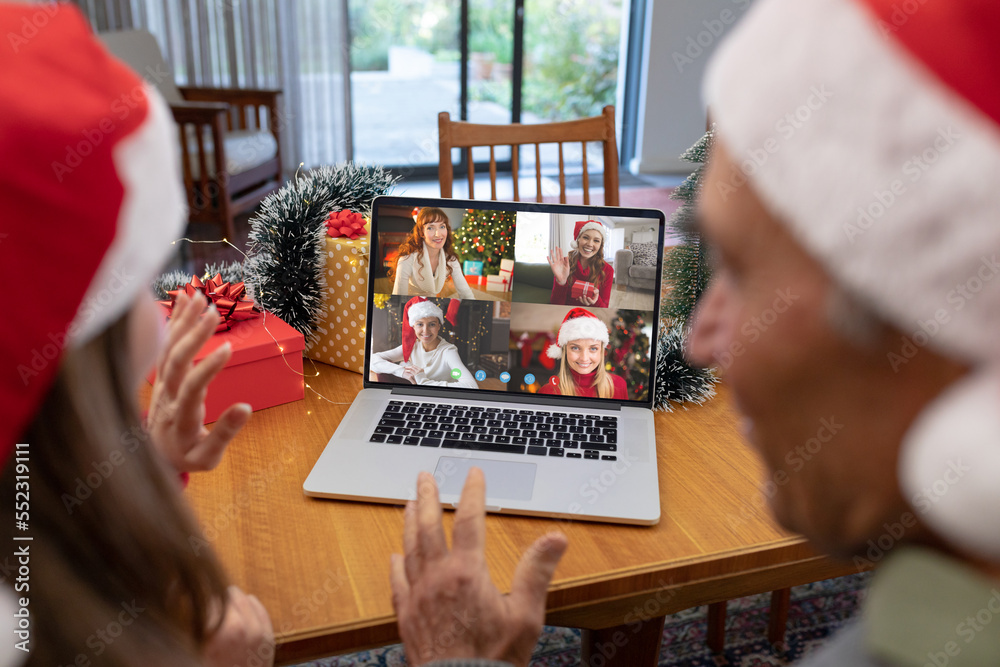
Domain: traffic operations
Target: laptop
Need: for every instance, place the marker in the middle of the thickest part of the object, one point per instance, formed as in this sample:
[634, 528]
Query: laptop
[502, 356]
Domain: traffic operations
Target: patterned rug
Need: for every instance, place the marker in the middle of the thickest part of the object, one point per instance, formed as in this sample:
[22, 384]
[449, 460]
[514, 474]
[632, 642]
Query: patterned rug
[817, 610]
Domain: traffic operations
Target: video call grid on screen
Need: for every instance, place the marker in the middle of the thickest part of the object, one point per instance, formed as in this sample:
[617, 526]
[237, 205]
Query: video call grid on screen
[509, 312]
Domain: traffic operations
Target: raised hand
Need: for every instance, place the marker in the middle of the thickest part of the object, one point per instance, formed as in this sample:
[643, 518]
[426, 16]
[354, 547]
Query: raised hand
[177, 408]
[245, 638]
[560, 265]
[445, 601]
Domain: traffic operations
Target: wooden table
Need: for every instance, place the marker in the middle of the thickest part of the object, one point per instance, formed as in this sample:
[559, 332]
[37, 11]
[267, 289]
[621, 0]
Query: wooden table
[321, 567]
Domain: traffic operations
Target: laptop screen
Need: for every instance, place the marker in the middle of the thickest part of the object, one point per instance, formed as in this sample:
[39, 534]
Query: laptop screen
[514, 297]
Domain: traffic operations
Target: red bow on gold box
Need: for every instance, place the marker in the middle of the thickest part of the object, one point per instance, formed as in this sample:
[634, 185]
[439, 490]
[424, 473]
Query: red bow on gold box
[346, 224]
[229, 298]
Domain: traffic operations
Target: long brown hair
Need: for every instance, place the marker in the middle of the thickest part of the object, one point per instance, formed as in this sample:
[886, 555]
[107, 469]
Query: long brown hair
[602, 380]
[593, 268]
[111, 531]
[414, 243]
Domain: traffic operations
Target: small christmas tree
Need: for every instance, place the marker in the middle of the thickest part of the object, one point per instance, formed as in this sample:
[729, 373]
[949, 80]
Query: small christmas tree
[685, 276]
[486, 236]
[630, 351]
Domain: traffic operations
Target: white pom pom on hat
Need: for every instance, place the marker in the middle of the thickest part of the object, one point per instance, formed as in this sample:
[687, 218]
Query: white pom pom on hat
[579, 323]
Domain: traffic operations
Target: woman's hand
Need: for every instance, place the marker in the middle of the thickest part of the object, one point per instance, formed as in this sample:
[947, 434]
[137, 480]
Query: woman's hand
[245, 637]
[177, 408]
[410, 373]
[590, 301]
[560, 265]
[445, 601]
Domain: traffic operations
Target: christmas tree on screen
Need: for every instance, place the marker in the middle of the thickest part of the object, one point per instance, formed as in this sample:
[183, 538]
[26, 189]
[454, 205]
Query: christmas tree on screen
[486, 236]
[629, 356]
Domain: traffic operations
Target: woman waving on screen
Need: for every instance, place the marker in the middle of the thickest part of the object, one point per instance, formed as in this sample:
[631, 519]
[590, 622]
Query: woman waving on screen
[582, 277]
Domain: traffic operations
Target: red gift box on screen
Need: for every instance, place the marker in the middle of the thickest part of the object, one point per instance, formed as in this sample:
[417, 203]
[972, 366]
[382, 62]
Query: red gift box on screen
[583, 289]
[265, 369]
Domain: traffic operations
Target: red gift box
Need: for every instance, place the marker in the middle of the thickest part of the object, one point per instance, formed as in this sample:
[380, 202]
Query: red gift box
[583, 289]
[264, 370]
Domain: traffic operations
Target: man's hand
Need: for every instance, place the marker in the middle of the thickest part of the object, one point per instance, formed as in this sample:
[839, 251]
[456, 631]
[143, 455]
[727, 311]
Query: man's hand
[177, 408]
[445, 601]
[560, 265]
[245, 637]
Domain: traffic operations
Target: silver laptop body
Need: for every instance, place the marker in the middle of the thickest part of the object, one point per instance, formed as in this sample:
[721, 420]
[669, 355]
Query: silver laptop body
[596, 460]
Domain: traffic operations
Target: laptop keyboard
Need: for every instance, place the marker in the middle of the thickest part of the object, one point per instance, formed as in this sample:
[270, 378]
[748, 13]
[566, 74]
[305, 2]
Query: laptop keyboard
[507, 430]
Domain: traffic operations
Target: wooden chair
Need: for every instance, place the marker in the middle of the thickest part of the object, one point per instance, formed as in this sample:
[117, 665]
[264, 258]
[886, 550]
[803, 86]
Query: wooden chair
[229, 138]
[460, 134]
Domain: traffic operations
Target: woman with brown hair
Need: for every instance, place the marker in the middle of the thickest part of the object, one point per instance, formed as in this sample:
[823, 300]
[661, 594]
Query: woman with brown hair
[582, 277]
[427, 258]
[96, 527]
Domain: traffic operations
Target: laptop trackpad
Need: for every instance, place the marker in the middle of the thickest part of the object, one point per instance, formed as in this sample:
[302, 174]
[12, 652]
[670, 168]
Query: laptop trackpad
[504, 479]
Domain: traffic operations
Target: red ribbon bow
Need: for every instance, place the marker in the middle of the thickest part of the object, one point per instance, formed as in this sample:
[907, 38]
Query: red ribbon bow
[229, 299]
[345, 224]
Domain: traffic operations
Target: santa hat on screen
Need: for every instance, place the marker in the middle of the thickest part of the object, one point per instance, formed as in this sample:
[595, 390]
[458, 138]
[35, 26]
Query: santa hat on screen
[587, 225]
[578, 323]
[89, 194]
[882, 158]
[417, 309]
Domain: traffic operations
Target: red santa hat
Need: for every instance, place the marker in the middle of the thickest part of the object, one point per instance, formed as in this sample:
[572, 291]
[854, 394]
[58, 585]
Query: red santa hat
[587, 225]
[579, 323]
[417, 309]
[90, 196]
[871, 128]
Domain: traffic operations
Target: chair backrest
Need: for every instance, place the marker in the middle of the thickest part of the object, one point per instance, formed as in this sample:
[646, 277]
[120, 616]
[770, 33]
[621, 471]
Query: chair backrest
[139, 50]
[460, 134]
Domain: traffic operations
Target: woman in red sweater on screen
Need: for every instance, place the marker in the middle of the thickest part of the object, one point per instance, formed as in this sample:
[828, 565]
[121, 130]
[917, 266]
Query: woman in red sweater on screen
[584, 263]
[583, 338]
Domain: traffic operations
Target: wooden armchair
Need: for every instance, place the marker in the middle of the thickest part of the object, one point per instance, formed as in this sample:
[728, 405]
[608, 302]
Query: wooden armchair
[460, 134]
[229, 138]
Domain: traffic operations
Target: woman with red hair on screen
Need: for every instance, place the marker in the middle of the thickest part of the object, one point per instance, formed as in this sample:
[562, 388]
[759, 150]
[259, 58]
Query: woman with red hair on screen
[427, 258]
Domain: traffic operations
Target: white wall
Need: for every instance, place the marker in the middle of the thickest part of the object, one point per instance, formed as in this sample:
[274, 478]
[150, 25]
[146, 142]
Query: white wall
[680, 37]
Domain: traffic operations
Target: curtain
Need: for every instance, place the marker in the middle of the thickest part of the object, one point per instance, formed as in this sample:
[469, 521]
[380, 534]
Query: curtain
[299, 46]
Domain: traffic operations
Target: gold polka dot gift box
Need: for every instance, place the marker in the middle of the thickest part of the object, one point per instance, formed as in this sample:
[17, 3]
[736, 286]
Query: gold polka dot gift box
[340, 334]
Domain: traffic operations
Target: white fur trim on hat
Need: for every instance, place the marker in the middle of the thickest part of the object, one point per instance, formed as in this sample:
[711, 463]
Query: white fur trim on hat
[591, 225]
[152, 215]
[419, 311]
[881, 172]
[586, 326]
[949, 467]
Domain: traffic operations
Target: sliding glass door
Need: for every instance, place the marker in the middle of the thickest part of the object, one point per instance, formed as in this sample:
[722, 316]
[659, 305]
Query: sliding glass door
[487, 61]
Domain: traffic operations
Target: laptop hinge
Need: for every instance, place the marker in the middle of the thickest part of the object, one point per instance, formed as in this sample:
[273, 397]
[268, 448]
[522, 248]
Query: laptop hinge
[556, 401]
